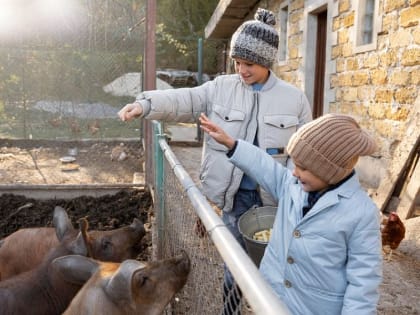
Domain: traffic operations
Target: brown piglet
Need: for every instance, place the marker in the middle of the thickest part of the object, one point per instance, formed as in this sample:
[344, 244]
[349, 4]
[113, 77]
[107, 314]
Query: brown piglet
[43, 290]
[25, 249]
[128, 288]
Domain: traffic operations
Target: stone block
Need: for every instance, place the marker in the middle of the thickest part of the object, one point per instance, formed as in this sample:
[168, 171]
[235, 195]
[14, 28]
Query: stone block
[343, 6]
[410, 16]
[393, 5]
[372, 61]
[344, 79]
[415, 77]
[379, 76]
[401, 38]
[390, 22]
[383, 96]
[343, 36]
[348, 20]
[410, 57]
[352, 64]
[366, 93]
[388, 58]
[399, 77]
[416, 35]
[360, 78]
[341, 64]
[376, 111]
[350, 94]
[406, 95]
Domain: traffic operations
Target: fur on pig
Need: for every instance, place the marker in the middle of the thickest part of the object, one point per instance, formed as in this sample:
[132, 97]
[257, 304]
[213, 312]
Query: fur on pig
[25, 249]
[128, 288]
[43, 290]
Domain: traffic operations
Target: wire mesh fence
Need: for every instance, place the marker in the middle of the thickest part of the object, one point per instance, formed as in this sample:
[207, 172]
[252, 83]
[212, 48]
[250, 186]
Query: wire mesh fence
[203, 293]
[178, 203]
[57, 71]
[68, 82]
[65, 74]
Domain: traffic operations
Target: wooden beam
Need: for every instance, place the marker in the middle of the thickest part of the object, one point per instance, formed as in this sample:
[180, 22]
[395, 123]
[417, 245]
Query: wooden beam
[409, 196]
[150, 47]
[227, 17]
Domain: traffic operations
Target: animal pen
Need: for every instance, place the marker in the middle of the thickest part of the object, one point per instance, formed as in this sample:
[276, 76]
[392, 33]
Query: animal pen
[178, 204]
[61, 88]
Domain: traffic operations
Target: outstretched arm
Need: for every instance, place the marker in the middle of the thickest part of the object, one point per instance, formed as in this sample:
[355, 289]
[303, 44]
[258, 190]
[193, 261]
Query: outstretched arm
[216, 132]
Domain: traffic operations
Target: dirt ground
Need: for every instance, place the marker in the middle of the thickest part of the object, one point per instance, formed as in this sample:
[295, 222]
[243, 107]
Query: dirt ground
[103, 213]
[40, 164]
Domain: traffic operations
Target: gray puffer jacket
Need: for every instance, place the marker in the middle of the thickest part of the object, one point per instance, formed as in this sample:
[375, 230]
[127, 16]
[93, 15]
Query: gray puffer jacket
[276, 112]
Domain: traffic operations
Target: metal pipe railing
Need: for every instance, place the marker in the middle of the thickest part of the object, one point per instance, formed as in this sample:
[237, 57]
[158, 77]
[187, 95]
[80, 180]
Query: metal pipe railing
[256, 290]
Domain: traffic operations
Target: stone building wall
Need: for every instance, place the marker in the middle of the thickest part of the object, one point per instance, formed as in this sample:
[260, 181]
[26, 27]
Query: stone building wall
[379, 87]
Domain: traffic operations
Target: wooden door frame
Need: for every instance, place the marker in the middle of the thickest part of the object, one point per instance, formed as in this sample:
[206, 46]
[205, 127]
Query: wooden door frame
[311, 15]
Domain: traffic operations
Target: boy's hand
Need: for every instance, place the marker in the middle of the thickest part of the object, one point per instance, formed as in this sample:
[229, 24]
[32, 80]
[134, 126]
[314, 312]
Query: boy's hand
[216, 132]
[130, 111]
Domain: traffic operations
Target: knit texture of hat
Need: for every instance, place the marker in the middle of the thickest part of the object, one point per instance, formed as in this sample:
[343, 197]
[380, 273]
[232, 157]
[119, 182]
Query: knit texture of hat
[330, 146]
[256, 41]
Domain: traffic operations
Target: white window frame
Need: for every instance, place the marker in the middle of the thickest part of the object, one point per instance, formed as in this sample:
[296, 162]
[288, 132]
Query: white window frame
[283, 32]
[361, 23]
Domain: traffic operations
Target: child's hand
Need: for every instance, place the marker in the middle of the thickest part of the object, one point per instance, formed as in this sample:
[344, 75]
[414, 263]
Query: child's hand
[216, 132]
[130, 111]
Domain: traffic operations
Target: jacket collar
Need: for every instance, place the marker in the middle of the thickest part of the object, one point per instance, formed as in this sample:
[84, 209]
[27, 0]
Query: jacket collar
[271, 81]
[332, 197]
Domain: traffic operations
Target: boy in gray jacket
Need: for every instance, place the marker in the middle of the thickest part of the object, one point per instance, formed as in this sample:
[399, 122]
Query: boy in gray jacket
[253, 105]
[324, 254]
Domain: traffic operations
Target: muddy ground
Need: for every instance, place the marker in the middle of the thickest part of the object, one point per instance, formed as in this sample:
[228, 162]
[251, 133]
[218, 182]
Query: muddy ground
[103, 213]
[40, 164]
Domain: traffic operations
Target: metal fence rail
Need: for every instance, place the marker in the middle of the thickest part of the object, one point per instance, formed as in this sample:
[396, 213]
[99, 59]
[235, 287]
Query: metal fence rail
[178, 203]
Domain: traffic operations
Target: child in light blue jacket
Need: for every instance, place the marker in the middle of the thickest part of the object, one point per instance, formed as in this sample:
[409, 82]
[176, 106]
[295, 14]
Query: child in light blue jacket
[324, 255]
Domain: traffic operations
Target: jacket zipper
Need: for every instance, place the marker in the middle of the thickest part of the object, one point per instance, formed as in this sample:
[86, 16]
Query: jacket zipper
[255, 104]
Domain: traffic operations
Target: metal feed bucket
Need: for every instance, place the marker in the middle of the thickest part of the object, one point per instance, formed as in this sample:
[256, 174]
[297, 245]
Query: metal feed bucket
[255, 220]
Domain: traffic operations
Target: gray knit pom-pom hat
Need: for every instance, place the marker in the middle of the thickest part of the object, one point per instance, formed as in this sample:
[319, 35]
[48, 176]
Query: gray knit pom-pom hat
[330, 146]
[256, 41]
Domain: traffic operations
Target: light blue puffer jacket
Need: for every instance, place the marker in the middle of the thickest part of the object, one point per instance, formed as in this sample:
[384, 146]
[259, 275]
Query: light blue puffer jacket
[328, 262]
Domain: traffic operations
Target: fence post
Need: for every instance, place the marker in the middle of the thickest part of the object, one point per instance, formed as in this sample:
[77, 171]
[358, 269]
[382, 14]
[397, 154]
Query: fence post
[159, 186]
[149, 69]
[199, 79]
[200, 61]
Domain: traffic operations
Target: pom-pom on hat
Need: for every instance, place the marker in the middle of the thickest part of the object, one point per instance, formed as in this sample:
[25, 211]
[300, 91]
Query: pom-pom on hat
[330, 146]
[256, 41]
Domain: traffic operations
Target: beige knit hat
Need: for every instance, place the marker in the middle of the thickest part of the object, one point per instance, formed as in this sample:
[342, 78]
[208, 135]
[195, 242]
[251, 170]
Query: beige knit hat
[330, 146]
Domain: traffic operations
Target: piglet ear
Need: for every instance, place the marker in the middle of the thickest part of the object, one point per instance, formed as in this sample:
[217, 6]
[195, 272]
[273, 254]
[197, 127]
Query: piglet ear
[61, 222]
[78, 246]
[75, 268]
[87, 240]
[119, 286]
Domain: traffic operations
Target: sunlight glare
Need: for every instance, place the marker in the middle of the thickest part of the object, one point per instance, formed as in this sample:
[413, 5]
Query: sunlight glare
[9, 17]
[27, 17]
[53, 9]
